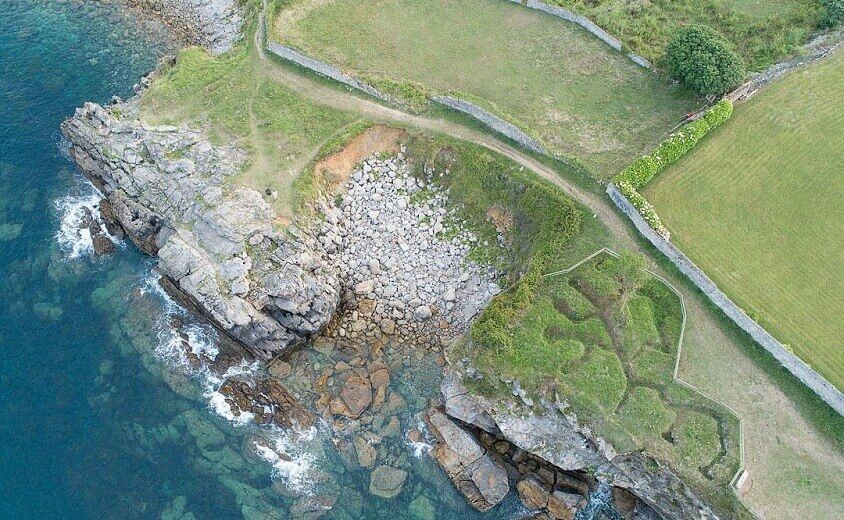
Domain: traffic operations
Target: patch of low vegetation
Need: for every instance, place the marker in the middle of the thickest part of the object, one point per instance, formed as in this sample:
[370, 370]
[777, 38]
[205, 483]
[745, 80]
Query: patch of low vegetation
[576, 95]
[762, 32]
[757, 205]
[234, 102]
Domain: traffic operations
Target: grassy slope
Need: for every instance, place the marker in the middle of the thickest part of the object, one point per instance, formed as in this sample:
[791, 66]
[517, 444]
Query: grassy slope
[550, 77]
[758, 207]
[762, 31]
[558, 330]
[229, 97]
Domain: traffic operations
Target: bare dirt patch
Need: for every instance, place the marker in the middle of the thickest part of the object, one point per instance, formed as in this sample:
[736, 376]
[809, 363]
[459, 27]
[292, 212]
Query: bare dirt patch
[336, 168]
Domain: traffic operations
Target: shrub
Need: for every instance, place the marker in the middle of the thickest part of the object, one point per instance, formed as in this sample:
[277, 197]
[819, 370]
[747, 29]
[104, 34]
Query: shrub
[643, 169]
[644, 208]
[834, 13]
[703, 61]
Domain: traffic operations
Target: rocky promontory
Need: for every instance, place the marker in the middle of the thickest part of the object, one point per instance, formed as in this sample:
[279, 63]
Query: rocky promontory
[169, 189]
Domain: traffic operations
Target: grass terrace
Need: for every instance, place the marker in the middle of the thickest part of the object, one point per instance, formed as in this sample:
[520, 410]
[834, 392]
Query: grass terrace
[234, 100]
[758, 206]
[762, 31]
[551, 78]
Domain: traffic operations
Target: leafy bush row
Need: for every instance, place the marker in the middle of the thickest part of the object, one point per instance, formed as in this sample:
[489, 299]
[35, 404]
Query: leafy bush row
[643, 169]
[644, 208]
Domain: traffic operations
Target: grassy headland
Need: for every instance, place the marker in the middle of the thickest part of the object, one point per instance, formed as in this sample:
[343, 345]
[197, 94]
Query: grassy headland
[551, 78]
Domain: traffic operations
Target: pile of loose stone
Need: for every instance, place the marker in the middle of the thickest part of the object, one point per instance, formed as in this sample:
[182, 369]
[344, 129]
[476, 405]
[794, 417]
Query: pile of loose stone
[397, 244]
[408, 289]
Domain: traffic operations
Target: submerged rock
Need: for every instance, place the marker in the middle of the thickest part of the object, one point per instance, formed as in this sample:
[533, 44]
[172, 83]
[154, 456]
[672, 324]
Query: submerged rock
[387, 481]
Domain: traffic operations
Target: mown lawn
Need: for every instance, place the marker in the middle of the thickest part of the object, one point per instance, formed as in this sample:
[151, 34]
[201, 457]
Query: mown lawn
[762, 31]
[758, 206]
[551, 78]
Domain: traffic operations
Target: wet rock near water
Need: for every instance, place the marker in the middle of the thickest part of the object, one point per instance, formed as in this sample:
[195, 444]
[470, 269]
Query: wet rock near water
[213, 24]
[268, 401]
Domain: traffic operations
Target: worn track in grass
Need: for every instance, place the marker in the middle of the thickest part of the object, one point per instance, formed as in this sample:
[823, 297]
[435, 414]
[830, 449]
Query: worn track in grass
[783, 445]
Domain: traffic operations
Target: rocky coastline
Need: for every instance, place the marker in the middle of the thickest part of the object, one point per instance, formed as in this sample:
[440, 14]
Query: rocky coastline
[380, 284]
[214, 24]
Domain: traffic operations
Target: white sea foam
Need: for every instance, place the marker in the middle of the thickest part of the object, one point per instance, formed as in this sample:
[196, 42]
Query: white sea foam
[419, 447]
[73, 238]
[291, 454]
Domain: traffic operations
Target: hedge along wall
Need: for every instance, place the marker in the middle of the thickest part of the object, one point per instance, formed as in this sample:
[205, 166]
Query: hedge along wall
[638, 173]
[587, 24]
[802, 371]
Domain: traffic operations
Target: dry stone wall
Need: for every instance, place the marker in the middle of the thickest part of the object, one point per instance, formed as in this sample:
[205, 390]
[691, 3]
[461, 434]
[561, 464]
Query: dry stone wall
[324, 69]
[494, 122]
[802, 371]
[587, 24]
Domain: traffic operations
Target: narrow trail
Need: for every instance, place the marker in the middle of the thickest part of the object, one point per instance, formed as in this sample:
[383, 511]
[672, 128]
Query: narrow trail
[716, 361]
[334, 97]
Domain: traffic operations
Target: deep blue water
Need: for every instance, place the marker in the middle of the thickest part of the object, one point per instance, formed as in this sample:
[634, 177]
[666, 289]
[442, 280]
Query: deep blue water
[96, 421]
[79, 412]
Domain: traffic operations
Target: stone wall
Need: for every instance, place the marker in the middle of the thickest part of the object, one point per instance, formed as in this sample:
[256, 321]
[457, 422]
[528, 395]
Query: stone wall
[802, 371]
[489, 119]
[494, 122]
[324, 69]
[584, 22]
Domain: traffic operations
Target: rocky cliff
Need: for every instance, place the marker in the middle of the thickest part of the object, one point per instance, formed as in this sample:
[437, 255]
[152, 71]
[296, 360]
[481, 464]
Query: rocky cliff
[213, 24]
[168, 188]
[552, 437]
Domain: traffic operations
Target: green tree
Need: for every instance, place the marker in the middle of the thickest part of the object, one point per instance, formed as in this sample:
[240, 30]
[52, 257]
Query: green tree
[704, 61]
[834, 13]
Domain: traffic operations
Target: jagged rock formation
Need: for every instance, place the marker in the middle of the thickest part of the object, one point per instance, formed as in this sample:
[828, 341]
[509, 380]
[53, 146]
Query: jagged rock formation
[167, 188]
[557, 439]
[213, 24]
[478, 475]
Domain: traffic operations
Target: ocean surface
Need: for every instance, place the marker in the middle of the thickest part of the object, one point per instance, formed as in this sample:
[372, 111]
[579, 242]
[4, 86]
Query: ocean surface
[100, 415]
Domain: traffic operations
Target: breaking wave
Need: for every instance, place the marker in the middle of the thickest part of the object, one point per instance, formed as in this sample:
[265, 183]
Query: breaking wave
[73, 237]
[290, 452]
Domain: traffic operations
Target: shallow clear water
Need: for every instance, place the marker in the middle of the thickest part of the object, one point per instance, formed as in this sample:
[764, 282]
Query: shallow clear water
[98, 416]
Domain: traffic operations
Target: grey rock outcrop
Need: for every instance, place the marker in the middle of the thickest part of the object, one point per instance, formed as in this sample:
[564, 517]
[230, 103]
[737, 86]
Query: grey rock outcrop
[167, 188]
[478, 474]
[213, 24]
[548, 434]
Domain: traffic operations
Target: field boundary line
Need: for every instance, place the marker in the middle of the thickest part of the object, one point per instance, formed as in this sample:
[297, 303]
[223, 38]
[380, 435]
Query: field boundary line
[586, 23]
[798, 368]
[733, 485]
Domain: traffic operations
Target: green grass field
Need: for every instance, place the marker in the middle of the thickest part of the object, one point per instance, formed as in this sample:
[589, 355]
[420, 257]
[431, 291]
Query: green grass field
[231, 98]
[762, 31]
[758, 206]
[551, 78]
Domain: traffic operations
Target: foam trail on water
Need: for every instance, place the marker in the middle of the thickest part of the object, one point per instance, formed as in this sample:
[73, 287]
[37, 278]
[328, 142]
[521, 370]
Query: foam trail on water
[291, 452]
[73, 236]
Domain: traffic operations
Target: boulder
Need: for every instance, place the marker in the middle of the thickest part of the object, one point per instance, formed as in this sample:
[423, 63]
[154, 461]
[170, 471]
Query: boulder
[387, 481]
[357, 395]
[475, 472]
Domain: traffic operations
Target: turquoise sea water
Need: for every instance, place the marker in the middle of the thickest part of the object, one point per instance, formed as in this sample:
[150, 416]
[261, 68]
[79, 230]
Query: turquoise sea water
[98, 419]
